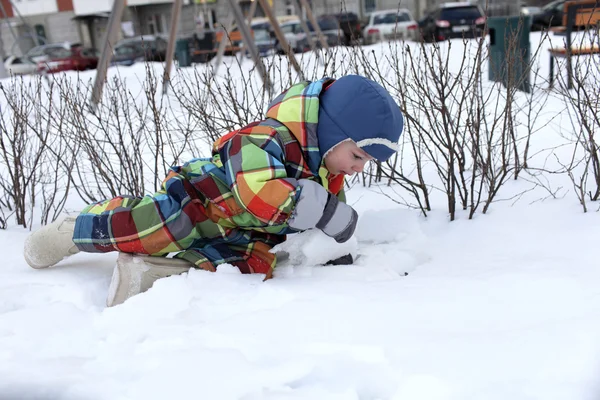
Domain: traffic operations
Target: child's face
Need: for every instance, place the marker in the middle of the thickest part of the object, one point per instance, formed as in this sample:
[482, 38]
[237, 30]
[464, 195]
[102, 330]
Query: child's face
[346, 158]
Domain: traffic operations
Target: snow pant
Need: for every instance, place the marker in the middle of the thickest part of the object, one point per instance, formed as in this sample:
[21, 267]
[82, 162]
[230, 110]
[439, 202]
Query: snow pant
[172, 222]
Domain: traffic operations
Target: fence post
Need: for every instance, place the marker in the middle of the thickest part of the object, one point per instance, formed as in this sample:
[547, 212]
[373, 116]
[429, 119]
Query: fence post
[249, 42]
[111, 36]
[315, 25]
[281, 37]
[309, 38]
[175, 13]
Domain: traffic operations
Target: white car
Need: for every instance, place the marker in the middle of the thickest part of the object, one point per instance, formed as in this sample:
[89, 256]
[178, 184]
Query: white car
[19, 66]
[390, 25]
[296, 37]
[292, 30]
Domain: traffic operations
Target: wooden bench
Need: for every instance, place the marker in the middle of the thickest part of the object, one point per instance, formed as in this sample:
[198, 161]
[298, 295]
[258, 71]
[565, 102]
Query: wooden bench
[577, 15]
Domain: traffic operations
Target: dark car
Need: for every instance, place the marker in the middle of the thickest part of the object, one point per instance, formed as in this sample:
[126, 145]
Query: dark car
[328, 25]
[127, 55]
[350, 25]
[264, 40]
[452, 20]
[331, 30]
[140, 48]
[550, 15]
[74, 59]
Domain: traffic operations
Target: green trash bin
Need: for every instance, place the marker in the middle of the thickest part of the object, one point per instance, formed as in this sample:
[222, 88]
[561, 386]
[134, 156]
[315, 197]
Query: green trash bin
[182, 52]
[510, 51]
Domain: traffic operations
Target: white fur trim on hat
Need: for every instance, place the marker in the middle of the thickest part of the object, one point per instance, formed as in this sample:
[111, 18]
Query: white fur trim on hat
[385, 142]
[329, 151]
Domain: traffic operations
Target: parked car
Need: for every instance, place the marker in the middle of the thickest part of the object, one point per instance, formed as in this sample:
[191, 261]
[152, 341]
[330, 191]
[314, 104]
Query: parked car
[19, 66]
[263, 36]
[260, 29]
[351, 26]
[330, 28]
[550, 15]
[140, 49]
[390, 25]
[42, 52]
[294, 35]
[452, 20]
[265, 41]
[74, 59]
[127, 54]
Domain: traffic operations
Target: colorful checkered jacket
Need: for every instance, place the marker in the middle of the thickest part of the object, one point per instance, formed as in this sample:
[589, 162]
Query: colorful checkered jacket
[232, 207]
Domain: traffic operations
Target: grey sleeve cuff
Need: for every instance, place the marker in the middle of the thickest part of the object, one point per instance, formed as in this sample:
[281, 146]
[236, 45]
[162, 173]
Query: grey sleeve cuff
[309, 207]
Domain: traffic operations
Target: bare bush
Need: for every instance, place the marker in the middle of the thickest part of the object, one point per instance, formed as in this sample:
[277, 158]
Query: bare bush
[24, 131]
[583, 109]
[464, 137]
[128, 142]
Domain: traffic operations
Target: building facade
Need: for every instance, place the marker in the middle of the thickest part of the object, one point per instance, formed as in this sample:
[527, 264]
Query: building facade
[25, 23]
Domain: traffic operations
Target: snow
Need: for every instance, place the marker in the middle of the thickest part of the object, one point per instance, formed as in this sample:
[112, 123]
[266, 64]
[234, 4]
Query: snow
[504, 306]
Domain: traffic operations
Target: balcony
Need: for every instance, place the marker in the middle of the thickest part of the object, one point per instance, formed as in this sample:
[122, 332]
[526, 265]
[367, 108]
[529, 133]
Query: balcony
[87, 7]
[148, 2]
[35, 7]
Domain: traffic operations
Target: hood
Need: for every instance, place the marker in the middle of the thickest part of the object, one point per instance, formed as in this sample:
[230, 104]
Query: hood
[298, 109]
[357, 108]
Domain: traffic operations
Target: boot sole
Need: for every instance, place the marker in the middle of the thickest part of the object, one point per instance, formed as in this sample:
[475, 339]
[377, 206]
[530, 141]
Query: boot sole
[128, 274]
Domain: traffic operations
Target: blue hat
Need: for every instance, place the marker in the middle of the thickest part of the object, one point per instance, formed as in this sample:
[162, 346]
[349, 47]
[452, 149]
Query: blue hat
[357, 108]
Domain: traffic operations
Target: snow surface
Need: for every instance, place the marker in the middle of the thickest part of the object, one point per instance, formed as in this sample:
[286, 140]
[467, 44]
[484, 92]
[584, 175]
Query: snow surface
[502, 307]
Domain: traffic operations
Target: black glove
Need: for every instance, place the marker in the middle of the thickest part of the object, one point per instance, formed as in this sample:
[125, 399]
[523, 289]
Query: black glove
[343, 260]
[338, 220]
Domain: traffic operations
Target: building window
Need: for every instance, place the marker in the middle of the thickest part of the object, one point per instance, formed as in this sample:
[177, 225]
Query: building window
[370, 6]
[157, 24]
[289, 8]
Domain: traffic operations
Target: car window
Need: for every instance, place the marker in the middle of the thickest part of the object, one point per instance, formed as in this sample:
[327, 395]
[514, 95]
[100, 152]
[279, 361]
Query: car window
[50, 50]
[262, 25]
[42, 50]
[36, 51]
[143, 44]
[391, 18]
[125, 50]
[382, 18]
[347, 17]
[148, 44]
[460, 13]
[138, 46]
[553, 5]
[261, 34]
[288, 28]
[17, 60]
[327, 24]
[59, 52]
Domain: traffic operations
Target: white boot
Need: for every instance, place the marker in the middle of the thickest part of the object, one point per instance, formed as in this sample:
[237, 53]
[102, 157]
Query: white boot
[51, 243]
[135, 274]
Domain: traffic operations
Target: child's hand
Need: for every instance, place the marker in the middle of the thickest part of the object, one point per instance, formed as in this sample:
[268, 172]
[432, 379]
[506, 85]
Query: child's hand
[338, 220]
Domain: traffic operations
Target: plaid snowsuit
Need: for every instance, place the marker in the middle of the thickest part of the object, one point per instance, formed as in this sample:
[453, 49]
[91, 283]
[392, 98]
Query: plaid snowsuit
[230, 208]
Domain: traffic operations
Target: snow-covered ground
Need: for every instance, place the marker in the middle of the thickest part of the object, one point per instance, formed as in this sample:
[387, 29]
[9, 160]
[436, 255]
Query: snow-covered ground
[502, 307]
